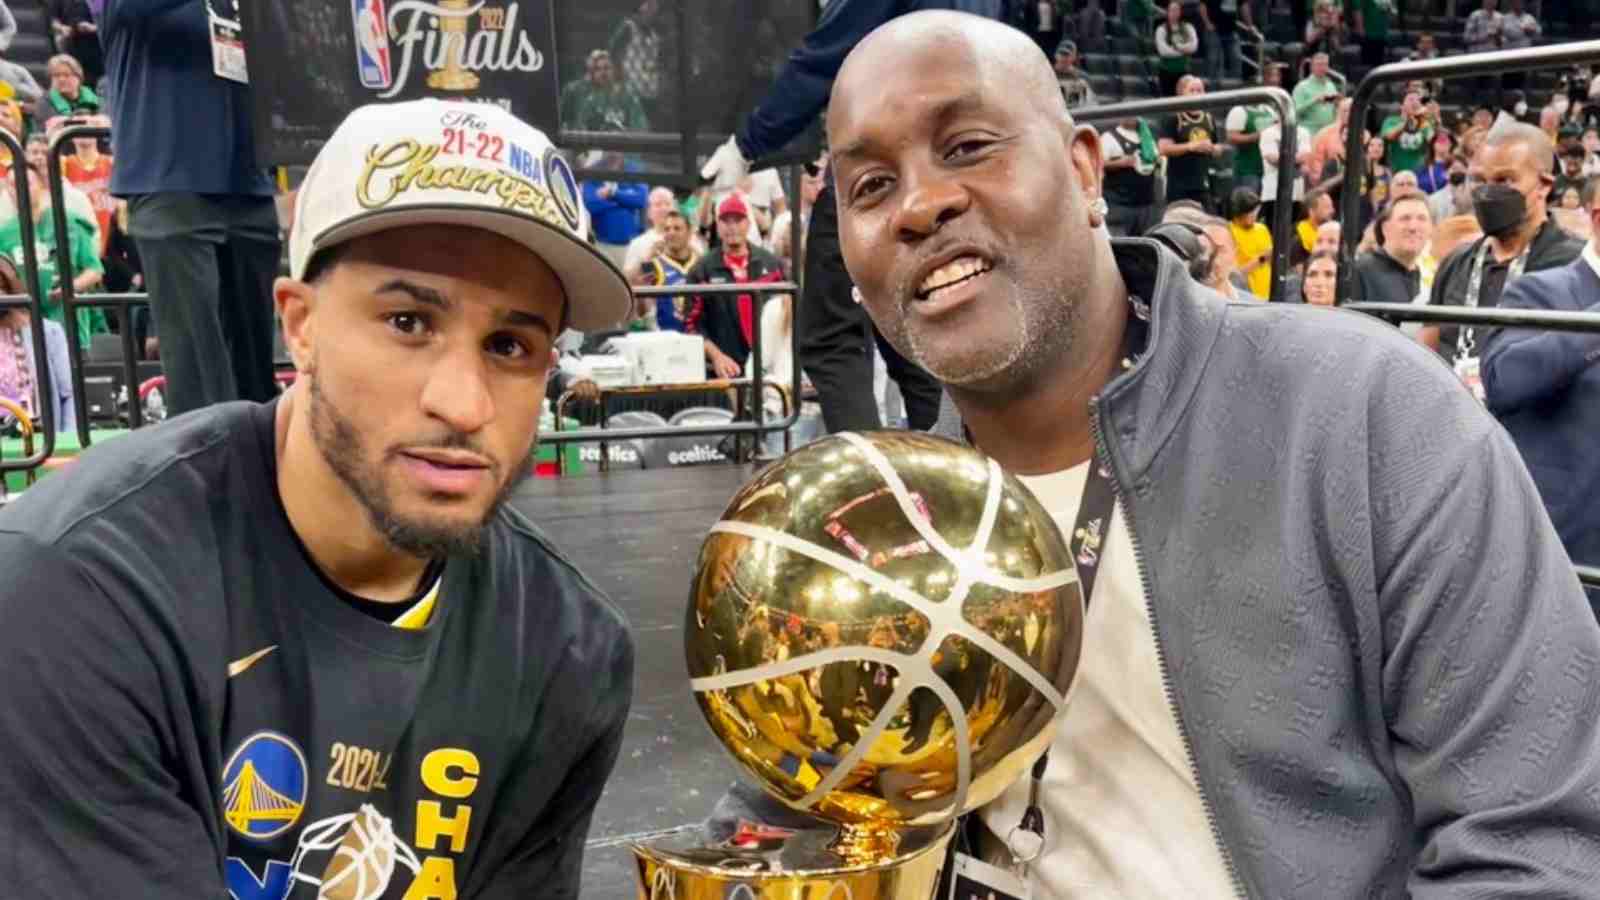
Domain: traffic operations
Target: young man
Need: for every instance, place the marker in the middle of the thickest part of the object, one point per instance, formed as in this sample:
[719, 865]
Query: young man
[1252, 239]
[729, 322]
[267, 647]
[675, 256]
[1334, 646]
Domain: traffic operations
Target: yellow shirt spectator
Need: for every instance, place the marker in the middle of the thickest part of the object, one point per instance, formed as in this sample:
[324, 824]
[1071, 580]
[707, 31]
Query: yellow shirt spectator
[1255, 253]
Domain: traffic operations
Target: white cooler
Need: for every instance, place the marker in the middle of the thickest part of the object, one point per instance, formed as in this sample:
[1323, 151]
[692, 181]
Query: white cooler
[664, 357]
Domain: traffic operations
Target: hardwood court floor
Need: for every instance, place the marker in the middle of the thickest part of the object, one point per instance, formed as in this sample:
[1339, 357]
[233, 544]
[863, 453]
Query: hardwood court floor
[636, 534]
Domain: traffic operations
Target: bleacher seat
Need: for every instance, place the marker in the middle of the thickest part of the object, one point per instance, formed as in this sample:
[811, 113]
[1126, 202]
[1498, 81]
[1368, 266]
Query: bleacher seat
[1106, 87]
[1098, 64]
[1132, 65]
[1125, 46]
[1135, 87]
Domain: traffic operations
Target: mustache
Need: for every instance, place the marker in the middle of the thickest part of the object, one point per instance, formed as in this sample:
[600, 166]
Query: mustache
[906, 281]
[450, 440]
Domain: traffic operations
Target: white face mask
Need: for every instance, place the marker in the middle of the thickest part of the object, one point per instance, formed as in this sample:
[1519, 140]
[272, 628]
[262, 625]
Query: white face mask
[1521, 109]
[1562, 103]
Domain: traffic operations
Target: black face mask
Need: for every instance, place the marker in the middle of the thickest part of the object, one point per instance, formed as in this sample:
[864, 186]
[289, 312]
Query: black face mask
[1499, 209]
[1458, 178]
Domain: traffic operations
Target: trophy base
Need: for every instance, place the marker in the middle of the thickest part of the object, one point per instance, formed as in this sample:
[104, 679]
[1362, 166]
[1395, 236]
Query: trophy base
[761, 862]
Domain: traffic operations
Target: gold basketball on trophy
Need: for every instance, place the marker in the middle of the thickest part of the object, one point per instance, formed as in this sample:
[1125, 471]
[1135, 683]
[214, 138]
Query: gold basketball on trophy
[881, 631]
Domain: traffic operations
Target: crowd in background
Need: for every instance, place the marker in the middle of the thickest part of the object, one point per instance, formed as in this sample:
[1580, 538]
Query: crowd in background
[1449, 168]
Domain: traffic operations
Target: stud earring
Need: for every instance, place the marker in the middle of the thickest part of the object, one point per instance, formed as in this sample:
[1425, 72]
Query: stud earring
[1098, 211]
[855, 294]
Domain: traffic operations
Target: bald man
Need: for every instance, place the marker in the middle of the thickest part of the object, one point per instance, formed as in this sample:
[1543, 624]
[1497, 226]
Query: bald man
[1334, 647]
[1512, 174]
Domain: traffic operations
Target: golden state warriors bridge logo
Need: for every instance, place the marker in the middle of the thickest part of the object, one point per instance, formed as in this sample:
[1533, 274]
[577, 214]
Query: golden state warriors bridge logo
[264, 786]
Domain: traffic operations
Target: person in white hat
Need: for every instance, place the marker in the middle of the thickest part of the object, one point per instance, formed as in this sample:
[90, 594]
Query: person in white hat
[306, 648]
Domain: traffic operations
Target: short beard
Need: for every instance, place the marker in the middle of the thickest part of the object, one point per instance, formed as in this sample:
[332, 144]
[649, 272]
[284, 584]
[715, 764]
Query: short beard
[1047, 331]
[340, 443]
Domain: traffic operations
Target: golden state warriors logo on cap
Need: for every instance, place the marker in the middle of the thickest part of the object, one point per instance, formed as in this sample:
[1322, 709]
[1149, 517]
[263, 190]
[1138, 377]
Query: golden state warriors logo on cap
[264, 786]
[563, 187]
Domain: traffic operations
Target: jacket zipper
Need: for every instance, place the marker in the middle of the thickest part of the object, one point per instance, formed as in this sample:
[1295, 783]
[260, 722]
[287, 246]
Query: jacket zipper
[1103, 457]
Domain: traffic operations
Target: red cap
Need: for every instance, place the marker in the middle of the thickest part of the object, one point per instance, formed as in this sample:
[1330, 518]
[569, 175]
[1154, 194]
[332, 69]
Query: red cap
[733, 205]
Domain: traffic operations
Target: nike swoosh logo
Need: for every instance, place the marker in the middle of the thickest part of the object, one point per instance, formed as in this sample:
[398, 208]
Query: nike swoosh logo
[238, 666]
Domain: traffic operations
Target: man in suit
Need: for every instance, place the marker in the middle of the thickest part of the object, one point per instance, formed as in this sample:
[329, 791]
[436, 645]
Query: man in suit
[1545, 388]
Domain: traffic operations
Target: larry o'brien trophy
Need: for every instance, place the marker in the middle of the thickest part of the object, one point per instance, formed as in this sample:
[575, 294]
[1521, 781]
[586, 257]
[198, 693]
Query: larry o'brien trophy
[881, 630]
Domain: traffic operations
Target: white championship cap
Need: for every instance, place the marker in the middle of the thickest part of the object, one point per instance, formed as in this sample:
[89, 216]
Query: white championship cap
[440, 162]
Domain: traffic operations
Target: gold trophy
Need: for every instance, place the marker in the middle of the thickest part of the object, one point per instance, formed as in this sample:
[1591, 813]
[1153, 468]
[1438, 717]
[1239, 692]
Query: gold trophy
[453, 28]
[881, 631]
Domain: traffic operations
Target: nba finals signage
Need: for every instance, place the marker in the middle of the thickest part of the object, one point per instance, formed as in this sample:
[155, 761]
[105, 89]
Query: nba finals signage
[315, 61]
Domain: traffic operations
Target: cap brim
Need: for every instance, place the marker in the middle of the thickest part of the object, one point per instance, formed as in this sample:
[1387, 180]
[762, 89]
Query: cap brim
[598, 296]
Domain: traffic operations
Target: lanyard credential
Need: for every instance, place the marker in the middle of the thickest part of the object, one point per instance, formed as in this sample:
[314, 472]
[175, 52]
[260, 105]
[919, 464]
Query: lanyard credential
[1087, 545]
[1467, 338]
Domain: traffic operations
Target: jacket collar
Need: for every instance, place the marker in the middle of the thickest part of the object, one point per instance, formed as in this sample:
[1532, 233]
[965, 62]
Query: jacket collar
[1141, 407]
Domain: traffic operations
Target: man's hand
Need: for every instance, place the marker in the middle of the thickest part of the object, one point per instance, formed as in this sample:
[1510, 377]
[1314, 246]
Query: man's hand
[87, 28]
[726, 167]
[724, 366]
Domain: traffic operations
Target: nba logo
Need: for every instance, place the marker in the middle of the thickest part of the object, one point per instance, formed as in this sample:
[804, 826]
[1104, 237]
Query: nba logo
[372, 43]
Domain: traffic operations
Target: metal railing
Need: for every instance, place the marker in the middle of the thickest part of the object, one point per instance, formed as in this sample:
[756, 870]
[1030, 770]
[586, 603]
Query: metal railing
[34, 304]
[762, 293]
[1283, 210]
[71, 302]
[1491, 63]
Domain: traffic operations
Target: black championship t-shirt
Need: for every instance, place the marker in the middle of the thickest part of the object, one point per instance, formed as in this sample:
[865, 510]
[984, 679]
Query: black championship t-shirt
[1189, 174]
[190, 711]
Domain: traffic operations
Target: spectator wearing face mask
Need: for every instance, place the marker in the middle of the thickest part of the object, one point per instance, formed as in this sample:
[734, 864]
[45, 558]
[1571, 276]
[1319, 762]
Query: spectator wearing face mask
[1512, 182]
[1544, 387]
[1455, 198]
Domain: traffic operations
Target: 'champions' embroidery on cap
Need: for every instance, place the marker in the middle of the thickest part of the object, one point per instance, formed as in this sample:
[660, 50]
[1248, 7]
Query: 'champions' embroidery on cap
[394, 169]
[563, 187]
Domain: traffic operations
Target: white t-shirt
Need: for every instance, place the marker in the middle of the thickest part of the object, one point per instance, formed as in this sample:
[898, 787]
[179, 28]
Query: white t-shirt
[1272, 142]
[1123, 817]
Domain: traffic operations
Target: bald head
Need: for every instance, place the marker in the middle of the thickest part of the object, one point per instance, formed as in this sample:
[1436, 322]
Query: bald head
[1002, 51]
[1540, 151]
[964, 193]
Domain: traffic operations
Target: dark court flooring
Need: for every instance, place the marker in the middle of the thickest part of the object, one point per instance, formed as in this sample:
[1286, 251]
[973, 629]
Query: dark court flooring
[635, 534]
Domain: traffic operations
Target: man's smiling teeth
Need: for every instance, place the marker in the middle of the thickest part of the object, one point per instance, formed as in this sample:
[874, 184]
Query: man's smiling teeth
[951, 272]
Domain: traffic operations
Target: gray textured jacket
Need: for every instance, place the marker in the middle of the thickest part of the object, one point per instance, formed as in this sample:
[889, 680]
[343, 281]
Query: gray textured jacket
[1380, 659]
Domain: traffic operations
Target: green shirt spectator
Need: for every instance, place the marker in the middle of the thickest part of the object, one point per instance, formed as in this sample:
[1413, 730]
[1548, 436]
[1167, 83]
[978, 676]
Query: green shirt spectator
[1316, 97]
[1245, 121]
[1406, 135]
[82, 258]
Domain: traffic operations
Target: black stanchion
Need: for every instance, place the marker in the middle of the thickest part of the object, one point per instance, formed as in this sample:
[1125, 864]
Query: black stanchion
[70, 302]
[34, 304]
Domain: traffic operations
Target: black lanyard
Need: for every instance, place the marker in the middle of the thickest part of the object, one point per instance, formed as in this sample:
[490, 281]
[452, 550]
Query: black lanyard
[1466, 337]
[1087, 544]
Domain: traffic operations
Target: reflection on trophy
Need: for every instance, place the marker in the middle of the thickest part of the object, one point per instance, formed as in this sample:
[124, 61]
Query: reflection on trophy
[453, 29]
[881, 631]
